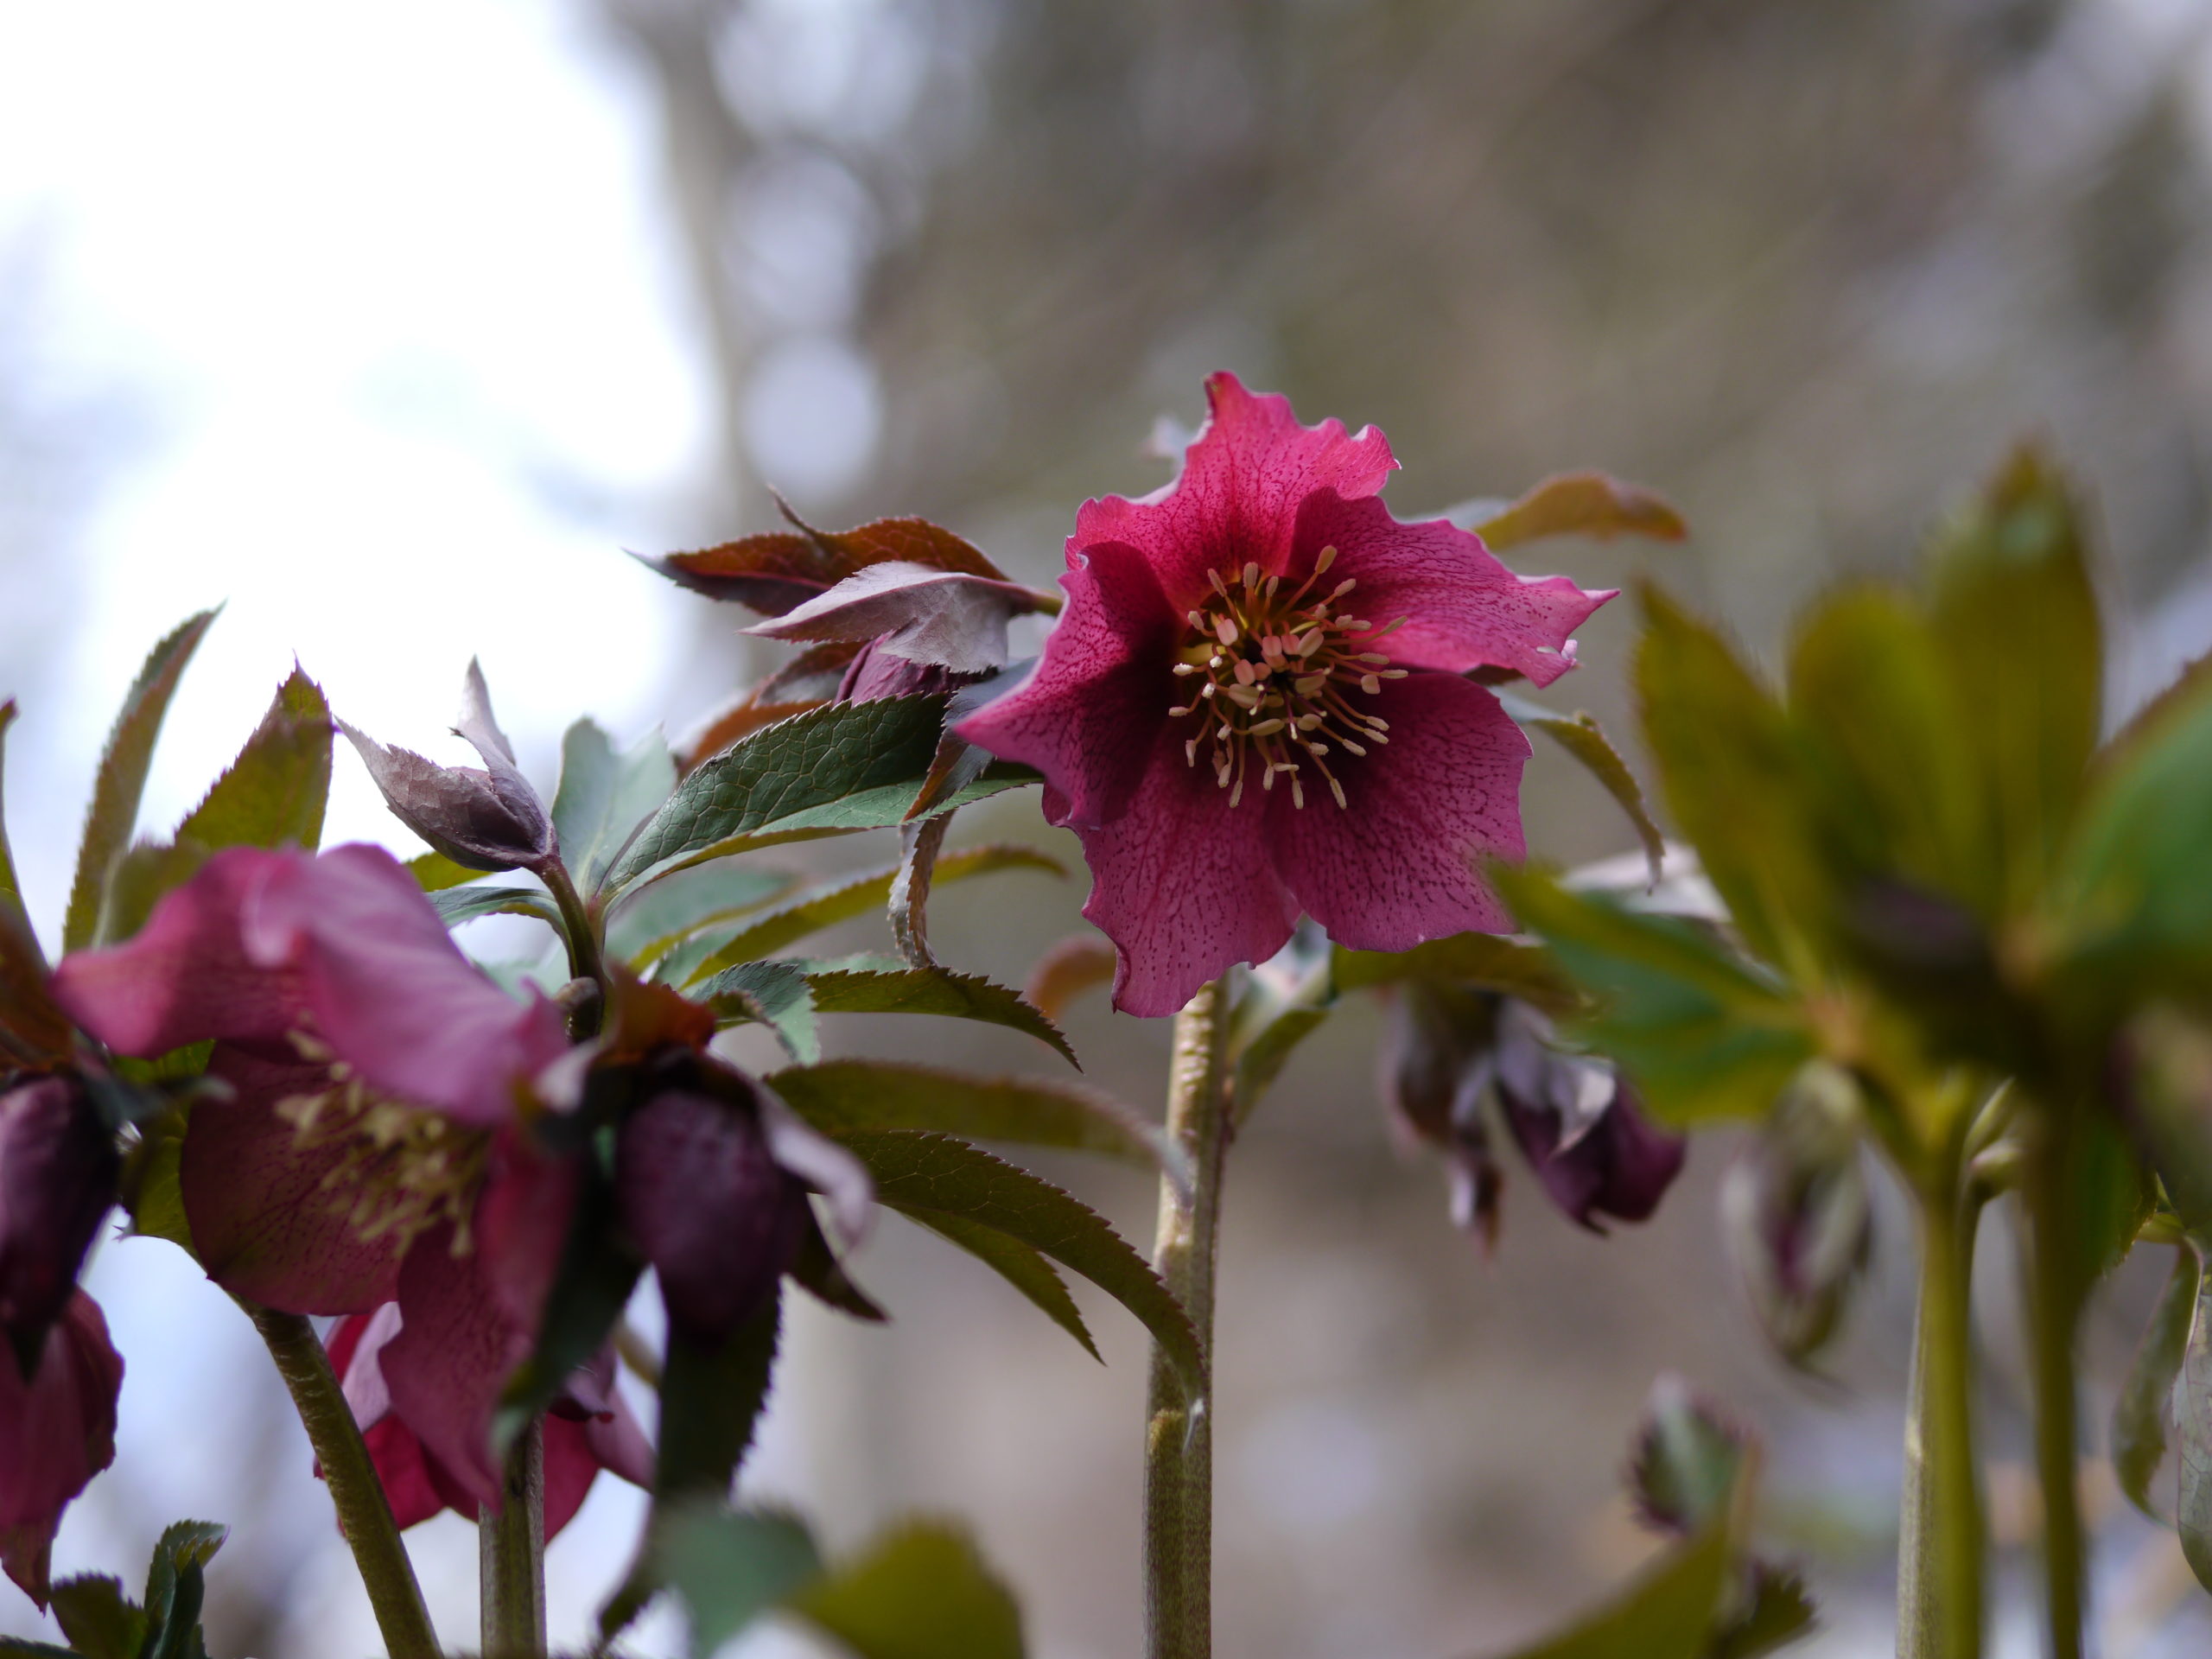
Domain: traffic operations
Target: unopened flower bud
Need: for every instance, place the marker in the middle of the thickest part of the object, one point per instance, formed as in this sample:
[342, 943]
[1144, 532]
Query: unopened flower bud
[486, 820]
[1579, 1126]
[58, 1169]
[1795, 1210]
[876, 674]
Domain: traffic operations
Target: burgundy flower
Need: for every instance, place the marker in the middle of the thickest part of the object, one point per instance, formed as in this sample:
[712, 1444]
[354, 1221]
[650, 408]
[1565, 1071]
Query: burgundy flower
[1579, 1126]
[58, 1168]
[588, 1427]
[1253, 705]
[57, 1431]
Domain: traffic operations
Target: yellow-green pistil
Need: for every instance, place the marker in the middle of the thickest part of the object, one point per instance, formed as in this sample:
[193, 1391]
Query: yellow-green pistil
[1274, 674]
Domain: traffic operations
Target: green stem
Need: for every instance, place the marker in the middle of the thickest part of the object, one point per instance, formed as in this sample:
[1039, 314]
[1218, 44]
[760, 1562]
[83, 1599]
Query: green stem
[1178, 1436]
[585, 960]
[2055, 1291]
[1941, 1550]
[362, 1512]
[511, 1554]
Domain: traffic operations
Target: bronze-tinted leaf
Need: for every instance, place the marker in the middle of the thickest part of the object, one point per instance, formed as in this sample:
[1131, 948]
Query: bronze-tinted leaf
[1581, 503]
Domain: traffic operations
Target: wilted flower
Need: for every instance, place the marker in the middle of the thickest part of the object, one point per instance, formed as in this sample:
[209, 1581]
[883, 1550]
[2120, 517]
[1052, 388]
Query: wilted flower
[1449, 1051]
[588, 1427]
[58, 1168]
[1255, 705]
[486, 820]
[57, 1431]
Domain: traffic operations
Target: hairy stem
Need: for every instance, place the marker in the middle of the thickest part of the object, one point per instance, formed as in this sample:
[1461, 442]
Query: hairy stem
[511, 1554]
[1178, 1439]
[362, 1512]
[1941, 1543]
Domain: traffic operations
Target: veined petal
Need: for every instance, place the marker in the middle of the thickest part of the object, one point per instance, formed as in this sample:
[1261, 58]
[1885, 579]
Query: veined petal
[1398, 865]
[268, 1221]
[1462, 608]
[1089, 716]
[1182, 884]
[455, 1348]
[1238, 497]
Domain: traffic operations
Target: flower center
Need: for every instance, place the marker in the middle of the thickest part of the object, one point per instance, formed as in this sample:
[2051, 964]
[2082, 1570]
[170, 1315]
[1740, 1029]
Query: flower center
[399, 1170]
[1274, 675]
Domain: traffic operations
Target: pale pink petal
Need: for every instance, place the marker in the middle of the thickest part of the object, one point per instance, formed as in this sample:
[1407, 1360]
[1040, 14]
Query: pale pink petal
[391, 994]
[1182, 884]
[187, 975]
[1462, 608]
[1088, 717]
[269, 1216]
[1399, 865]
[1238, 496]
[357, 1345]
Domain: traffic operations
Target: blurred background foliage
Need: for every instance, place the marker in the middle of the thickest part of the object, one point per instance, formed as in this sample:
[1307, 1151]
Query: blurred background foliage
[1808, 269]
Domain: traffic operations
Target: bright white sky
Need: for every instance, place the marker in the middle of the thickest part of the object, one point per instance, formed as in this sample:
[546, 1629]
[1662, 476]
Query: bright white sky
[385, 288]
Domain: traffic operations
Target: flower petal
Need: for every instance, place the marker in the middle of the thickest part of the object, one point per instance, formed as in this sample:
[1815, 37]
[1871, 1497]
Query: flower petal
[1238, 497]
[187, 975]
[57, 1431]
[391, 994]
[1182, 883]
[1088, 717]
[1399, 866]
[58, 1169]
[267, 1221]
[455, 1348]
[1462, 608]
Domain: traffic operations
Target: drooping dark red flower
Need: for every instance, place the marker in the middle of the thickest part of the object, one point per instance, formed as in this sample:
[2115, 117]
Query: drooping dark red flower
[58, 1168]
[57, 1431]
[1255, 705]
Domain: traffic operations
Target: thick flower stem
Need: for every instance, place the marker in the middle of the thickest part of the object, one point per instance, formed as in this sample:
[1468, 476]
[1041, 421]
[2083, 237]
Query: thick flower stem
[586, 960]
[2055, 1298]
[1178, 1440]
[1940, 1556]
[511, 1554]
[362, 1512]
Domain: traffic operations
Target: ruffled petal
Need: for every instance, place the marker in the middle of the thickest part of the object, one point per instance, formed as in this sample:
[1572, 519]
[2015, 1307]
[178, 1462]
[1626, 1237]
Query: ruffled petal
[1088, 717]
[1462, 608]
[1398, 865]
[391, 992]
[1238, 499]
[186, 976]
[57, 1431]
[1182, 884]
[268, 1220]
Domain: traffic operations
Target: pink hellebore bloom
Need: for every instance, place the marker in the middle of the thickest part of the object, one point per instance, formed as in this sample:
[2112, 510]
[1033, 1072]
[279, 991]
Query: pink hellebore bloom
[370, 1153]
[57, 1431]
[1253, 705]
[588, 1428]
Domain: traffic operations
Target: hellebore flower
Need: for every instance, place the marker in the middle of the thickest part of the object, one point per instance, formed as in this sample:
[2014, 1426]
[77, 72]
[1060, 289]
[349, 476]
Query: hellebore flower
[57, 1431]
[1449, 1050]
[589, 1426]
[58, 1169]
[486, 820]
[1253, 705]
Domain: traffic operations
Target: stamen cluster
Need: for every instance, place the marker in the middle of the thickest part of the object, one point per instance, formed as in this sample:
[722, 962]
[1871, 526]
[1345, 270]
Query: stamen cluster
[1274, 673]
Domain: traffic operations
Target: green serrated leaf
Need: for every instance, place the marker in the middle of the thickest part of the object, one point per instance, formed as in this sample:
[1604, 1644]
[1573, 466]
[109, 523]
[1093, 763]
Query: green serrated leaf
[1019, 1266]
[652, 917]
[1668, 1613]
[434, 872]
[842, 901]
[275, 792]
[1703, 1034]
[936, 990]
[16, 1647]
[176, 1587]
[1494, 962]
[121, 780]
[809, 764]
[1686, 1463]
[99, 1620]
[457, 905]
[156, 1199]
[842, 1096]
[1780, 1612]
[137, 881]
[817, 1271]
[921, 1592]
[603, 796]
[1583, 738]
[2139, 1415]
[732, 1567]
[930, 1175]
[778, 995]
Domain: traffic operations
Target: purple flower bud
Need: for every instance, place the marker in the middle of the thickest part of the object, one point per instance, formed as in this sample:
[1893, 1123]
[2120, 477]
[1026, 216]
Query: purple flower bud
[487, 820]
[1436, 1041]
[700, 1191]
[1578, 1127]
[876, 674]
[58, 1168]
